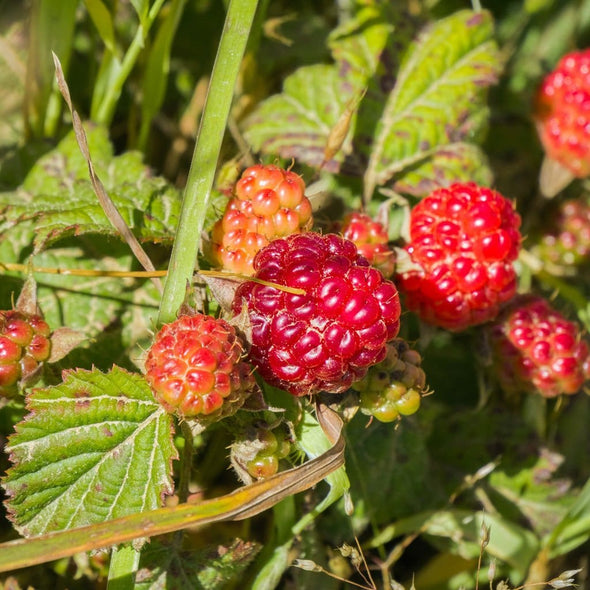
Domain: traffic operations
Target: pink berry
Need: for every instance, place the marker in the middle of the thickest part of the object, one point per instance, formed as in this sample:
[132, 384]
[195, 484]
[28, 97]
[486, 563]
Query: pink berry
[535, 349]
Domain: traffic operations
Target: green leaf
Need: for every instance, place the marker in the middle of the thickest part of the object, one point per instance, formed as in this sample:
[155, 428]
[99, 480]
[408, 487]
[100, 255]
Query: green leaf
[460, 532]
[439, 95]
[388, 469]
[455, 162]
[58, 196]
[141, 7]
[157, 68]
[96, 447]
[103, 21]
[297, 123]
[574, 529]
[164, 564]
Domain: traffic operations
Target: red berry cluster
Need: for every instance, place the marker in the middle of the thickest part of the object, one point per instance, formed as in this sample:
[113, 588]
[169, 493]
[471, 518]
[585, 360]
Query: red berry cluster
[370, 237]
[24, 345]
[562, 112]
[463, 241]
[269, 203]
[327, 335]
[195, 369]
[535, 349]
[394, 387]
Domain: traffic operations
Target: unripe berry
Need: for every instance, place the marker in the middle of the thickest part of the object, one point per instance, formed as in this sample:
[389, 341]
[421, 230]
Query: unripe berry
[269, 203]
[194, 368]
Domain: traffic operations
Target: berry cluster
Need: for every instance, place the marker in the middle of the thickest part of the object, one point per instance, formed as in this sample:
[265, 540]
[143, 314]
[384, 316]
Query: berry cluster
[394, 387]
[463, 241]
[370, 237]
[269, 203]
[332, 329]
[566, 239]
[535, 349]
[257, 453]
[24, 346]
[194, 368]
[562, 112]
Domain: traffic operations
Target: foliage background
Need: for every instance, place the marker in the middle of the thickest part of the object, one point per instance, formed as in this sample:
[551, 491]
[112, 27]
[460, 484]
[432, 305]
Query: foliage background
[422, 490]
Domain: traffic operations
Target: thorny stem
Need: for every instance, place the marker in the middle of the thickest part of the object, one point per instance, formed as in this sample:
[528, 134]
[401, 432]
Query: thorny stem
[240, 15]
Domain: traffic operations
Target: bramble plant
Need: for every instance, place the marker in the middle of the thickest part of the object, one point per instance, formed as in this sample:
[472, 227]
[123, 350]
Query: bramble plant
[294, 294]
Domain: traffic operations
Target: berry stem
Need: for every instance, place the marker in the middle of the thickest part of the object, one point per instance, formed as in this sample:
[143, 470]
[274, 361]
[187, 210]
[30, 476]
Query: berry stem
[122, 569]
[238, 23]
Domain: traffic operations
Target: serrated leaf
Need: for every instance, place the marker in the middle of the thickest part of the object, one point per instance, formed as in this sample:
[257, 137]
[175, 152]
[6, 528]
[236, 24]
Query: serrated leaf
[455, 162]
[58, 196]
[164, 564]
[388, 469]
[96, 447]
[297, 123]
[439, 95]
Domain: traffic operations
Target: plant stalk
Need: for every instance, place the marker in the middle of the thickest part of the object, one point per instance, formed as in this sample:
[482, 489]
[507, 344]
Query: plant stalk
[123, 567]
[238, 23]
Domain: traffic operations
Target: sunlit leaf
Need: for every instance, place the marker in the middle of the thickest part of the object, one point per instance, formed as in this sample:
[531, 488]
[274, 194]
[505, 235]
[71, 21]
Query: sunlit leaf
[96, 447]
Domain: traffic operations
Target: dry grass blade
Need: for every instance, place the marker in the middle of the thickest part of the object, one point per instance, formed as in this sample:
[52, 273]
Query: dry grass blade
[110, 209]
[243, 503]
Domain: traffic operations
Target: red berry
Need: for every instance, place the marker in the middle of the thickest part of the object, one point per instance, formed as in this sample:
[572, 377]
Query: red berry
[327, 337]
[194, 367]
[463, 241]
[370, 237]
[24, 346]
[269, 204]
[566, 239]
[562, 112]
[535, 349]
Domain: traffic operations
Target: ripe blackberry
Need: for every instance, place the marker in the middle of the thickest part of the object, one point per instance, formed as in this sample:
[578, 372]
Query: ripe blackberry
[269, 203]
[535, 349]
[565, 240]
[327, 337]
[25, 345]
[194, 368]
[394, 386]
[463, 241]
[370, 237]
[562, 113]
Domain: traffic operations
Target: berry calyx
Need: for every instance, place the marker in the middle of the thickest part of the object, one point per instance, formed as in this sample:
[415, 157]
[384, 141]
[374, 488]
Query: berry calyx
[463, 241]
[535, 349]
[562, 113]
[25, 345]
[195, 368]
[328, 336]
[394, 387]
[370, 237]
[269, 203]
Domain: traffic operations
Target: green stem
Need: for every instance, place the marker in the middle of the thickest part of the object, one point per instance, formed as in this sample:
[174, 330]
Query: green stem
[106, 108]
[197, 193]
[123, 567]
[187, 462]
